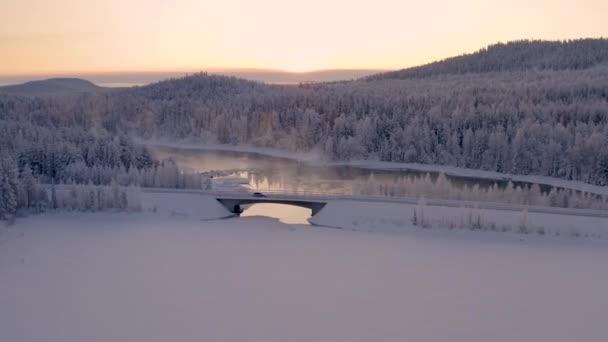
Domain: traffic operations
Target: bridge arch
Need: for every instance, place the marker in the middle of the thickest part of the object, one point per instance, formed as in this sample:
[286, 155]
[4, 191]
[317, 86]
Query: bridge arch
[234, 204]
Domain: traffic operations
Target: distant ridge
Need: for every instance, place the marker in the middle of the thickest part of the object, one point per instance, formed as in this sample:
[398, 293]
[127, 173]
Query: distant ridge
[521, 55]
[129, 79]
[51, 87]
[518, 55]
[287, 77]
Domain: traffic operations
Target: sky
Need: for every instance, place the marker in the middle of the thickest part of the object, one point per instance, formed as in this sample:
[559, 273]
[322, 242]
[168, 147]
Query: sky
[72, 36]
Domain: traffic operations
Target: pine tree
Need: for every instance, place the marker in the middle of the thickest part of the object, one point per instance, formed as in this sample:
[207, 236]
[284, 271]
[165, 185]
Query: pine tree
[8, 187]
[53, 196]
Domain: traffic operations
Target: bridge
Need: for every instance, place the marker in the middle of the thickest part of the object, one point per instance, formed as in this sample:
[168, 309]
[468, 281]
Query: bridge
[234, 203]
[316, 201]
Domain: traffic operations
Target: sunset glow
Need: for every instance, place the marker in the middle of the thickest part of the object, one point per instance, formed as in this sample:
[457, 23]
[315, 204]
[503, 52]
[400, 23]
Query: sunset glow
[40, 36]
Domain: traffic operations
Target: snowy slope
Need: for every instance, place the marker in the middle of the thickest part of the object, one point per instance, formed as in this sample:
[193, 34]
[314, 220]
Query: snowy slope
[190, 204]
[53, 86]
[368, 216]
[156, 277]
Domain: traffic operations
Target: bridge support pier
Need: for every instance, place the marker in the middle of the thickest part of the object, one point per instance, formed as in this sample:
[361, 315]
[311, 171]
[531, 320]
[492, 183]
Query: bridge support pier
[316, 207]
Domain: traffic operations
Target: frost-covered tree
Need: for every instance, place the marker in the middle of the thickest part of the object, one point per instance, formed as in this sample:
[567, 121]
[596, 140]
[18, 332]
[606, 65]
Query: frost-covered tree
[527, 107]
[9, 187]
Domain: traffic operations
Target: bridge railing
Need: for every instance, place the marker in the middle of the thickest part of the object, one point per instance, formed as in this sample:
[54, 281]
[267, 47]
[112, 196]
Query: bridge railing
[280, 192]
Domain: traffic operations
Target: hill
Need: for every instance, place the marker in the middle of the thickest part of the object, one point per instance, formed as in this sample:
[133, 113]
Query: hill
[130, 79]
[537, 108]
[514, 56]
[52, 86]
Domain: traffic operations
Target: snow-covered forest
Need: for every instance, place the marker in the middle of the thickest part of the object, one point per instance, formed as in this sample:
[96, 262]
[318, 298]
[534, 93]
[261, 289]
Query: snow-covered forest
[520, 55]
[551, 123]
[38, 150]
[548, 116]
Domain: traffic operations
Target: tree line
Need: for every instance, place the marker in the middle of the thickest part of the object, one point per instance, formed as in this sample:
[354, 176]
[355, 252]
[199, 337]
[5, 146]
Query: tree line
[520, 55]
[549, 123]
[40, 147]
[533, 108]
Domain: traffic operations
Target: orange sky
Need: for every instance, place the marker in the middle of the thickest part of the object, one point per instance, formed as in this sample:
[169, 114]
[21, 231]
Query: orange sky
[58, 36]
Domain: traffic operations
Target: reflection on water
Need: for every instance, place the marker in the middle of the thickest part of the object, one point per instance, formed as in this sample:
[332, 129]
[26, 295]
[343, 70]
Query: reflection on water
[285, 213]
[274, 173]
[282, 174]
[266, 173]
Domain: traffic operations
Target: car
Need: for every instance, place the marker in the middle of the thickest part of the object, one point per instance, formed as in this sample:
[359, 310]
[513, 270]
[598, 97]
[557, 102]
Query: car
[258, 194]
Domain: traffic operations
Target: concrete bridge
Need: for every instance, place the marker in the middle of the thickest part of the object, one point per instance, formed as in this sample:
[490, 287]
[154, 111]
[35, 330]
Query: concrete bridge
[234, 203]
[316, 201]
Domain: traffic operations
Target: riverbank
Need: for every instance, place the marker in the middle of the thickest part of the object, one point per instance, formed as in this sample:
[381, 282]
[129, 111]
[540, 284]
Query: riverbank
[404, 218]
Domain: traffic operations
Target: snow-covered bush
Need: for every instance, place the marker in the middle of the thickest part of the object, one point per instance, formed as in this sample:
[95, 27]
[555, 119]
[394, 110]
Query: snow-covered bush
[442, 188]
[419, 218]
[523, 226]
[78, 197]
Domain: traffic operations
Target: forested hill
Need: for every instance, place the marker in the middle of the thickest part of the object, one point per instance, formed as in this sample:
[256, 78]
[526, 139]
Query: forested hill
[548, 122]
[514, 56]
[52, 87]
[198, 86]
[551, 122]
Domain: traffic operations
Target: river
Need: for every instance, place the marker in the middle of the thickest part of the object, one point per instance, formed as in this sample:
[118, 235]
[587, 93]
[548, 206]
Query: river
[260, 172]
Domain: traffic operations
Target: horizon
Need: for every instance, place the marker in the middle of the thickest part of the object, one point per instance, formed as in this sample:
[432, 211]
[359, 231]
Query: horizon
[86, 37]
[127, 78]
[229, 70]
[134, 78]
[189, 71]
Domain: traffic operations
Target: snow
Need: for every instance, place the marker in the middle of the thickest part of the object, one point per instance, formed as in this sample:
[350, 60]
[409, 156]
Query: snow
[171, 274]
[192, 205]
[474, 173]
[397, 217]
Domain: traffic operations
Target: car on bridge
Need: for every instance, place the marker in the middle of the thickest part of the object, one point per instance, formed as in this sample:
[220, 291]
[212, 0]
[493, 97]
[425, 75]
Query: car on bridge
[258, 194]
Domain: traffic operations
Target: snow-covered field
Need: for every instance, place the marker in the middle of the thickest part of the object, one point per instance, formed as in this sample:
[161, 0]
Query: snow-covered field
[170, 274]
[396, 217]
[392, 217]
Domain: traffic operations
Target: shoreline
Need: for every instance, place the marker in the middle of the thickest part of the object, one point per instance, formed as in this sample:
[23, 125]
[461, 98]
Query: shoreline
[316, 159]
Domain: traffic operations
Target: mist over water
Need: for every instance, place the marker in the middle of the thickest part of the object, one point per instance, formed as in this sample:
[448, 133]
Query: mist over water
[283, 174]
[265, 173]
